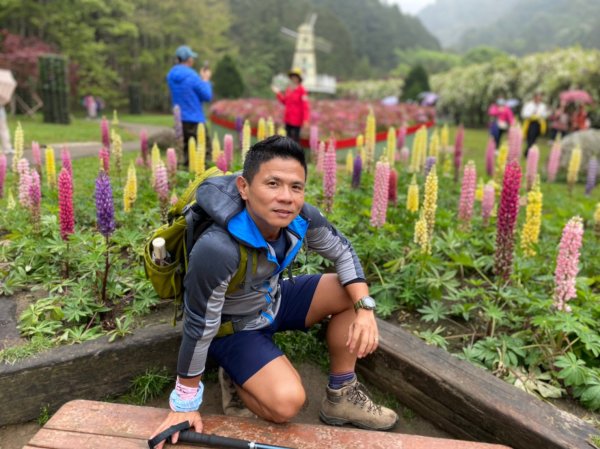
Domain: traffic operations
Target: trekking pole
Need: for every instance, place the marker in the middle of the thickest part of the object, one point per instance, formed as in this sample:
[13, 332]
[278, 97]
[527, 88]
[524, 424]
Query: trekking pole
[187, 436]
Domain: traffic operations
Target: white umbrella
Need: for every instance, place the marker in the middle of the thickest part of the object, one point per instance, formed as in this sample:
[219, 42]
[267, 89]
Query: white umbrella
[7, 86]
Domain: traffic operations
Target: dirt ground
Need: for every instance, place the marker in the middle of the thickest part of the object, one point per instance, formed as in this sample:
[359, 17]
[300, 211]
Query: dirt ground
[16, 436]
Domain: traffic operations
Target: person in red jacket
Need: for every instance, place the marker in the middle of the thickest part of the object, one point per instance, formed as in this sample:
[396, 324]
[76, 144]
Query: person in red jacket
[295, 100]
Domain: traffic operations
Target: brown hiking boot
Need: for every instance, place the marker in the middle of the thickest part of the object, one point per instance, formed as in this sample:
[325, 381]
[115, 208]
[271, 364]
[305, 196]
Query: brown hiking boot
[351, 404]
[232, 403]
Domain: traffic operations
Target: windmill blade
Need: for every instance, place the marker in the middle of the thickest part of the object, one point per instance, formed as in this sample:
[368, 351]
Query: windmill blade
[311, 19]
[289, 33]
[323, 45]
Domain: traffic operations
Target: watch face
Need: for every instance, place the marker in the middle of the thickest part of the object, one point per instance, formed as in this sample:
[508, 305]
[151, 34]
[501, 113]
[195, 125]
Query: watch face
[368, 303]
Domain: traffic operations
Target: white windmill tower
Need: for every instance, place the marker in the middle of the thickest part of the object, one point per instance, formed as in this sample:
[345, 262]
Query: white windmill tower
[305, 58]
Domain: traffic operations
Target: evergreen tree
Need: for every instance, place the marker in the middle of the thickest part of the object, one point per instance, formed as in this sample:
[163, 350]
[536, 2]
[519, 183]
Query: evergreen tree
[416, 81]
[227, 80]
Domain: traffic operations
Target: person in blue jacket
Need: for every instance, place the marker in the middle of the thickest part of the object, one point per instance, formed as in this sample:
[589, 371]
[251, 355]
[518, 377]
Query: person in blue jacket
[189, 90]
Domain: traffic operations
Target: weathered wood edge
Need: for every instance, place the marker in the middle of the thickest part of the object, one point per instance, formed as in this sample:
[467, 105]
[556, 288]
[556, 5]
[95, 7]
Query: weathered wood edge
[464, 400]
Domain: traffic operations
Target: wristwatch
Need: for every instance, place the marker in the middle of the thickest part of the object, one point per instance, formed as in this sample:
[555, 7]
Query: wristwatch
[366, 302]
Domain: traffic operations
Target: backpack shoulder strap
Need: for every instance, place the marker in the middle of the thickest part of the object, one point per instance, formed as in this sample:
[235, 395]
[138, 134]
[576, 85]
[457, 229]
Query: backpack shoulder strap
[240, 275]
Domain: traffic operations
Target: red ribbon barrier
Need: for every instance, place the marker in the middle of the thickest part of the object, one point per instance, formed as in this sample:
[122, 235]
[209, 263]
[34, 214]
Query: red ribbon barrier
[339, 144]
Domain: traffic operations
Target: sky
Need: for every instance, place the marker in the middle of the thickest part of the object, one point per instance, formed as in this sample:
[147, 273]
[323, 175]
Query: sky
[411, 6]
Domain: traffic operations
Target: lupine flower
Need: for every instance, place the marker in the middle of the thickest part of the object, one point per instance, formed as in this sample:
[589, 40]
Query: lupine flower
[501, 163]
[245, 140]
[216, 147]
[178, 126]
[404, 155]
[445, 137]
[393, 188]
[418, 153]
[479, 190]
[66, 216]
[434, 145]
[507, 218]
[201, 138]
[313, 141]
[105, 210]
[490, 154]
[36, 156]
[320, 157]
[171, 165]
[430, 201]
[591, 175]
[10, 201]
[221, 162]
[117, 152]
[329, 175]
[161, 187]
[144, 146]
[487, 202]
[19, 143]
[515, 142]
[140, 162]
[458, 150]
[228, 149]
[380, 193]
[391, 145]
[554, 160]
[429, 163]
[105, 133]
[193, 156]
[533, 218]
[533, 157]
[24, 183]
[270, 127]
[65, 156]
[130, 190]
[155, 159]
[349, 162]
[421, 237]
[200, 158]
[412, 198]
[360, 146]
[370, 141]
[261, 132]
[239, 128]
[2, 173]
[50, 168]
[574, 165]
[174, 199]
[597, 220]
[35, 198]
[115, 119]
[567, 263]
[401, 140]
[356, 172]
[104, 159]
[281, 131]
[467, 195]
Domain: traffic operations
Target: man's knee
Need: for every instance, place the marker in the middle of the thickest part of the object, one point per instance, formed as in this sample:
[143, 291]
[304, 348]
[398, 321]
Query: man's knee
[285, 403]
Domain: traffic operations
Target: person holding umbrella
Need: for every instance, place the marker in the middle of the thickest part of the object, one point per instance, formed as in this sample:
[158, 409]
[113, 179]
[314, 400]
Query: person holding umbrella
[295, 100]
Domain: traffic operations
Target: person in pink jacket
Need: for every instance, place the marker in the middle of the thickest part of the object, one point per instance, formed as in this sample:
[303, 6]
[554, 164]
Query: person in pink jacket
[502, 117]
[295, 100]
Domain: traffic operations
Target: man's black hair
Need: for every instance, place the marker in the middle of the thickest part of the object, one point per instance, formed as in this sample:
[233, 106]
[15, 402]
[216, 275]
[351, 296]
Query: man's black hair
[270, 148]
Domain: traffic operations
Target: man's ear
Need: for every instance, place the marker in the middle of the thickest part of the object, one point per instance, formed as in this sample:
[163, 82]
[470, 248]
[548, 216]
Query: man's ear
[242, 186]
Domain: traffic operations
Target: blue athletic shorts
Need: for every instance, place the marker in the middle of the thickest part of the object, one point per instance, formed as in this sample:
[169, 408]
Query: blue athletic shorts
[244, 353]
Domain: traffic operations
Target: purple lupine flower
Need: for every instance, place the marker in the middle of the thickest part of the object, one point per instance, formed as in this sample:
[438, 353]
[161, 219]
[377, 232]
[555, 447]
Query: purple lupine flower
[507, 218]
[313, 141]
[458, 150]
[329, 175]
[104, 156]
[404, 155]
[393, 188]
[554, 160]
[24, 183]
[487, 202]
[36, 156]
[401, 136]
[380, 194]
[228, 150]
[515, 142]
[105, 131]
[35, 197]
[533, 156]
[467, 193]
[66, 160]
[3, 164]
[239, 127]
[66, 217]
[567, 263]
[592, 174]
[105, 210]
[356, 172]
[429, 163]
[490, 155]
[143, 147]
[172, 165]
[221, 162]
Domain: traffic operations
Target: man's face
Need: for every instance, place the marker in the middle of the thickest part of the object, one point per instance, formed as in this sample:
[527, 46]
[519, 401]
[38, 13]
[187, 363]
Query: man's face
[275, 196]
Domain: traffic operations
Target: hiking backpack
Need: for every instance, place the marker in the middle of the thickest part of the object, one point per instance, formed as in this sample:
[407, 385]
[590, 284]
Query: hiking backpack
[186, 221]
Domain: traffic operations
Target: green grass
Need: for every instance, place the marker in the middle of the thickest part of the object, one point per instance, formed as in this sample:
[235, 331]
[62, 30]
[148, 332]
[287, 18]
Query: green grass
[148, 119]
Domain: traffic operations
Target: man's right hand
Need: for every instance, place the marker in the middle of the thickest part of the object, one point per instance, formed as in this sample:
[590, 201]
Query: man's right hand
[205, 73]
[193, 418]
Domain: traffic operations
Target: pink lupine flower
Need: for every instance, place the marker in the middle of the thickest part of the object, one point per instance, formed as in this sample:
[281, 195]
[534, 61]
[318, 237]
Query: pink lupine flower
[221, 162]
[487, 202]
[313, 141]
[35, 198]
[533, 156]
[329, 175]
[401, 137]
[467, 194]
[393, 188]
[228, 150]
[490, 156]
[22, 166]
[404, 155]
[66, 160]
[3, 164]
[140, 162]
[105, 134]
[143, 147]
[567, 263]
[380, 194]
[515, 142]
[66, 217]
[554, 160]
[36, 156]
[104, 156]
[171, 165]
[458, 150]
[161, 183]
[174, 199]
[507, 218]
[320, 156]
[24, 183]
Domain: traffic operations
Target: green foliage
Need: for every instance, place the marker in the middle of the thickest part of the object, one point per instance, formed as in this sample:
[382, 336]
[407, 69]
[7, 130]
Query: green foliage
[228, 82]
[416, 81]
[147, 386]
[44, 415]
[304, 346]
[432, 61]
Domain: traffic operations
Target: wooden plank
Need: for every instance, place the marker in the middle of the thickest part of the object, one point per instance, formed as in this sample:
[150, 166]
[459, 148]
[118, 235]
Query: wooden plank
[88, 424]
[464, 400]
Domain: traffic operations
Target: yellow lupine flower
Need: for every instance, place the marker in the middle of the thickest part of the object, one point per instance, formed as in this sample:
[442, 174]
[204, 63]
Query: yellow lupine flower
[533, 219]
[192, 155]
[479, 190]
[261, 131]
[370, 141]
[349, 163]
[430, 200]
[445, 137]
[245, 139]
[391, 145]
[155, 160]
[447, 168]
[130, 191]
[412, 198]
[216, 148]
[50, 167]
[281, 131]
[117, 150]
[270, 127]
[200, 159]
[201, 138]
[360, 147]
[115, 119]
[597, 220]
[10, 201]
[19, 146]
[500, 164]
[421, 237]
[434, 145]
[574, 165]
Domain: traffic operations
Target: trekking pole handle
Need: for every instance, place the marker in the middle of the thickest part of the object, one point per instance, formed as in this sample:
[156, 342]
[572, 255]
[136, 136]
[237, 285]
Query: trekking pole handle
[187, 436]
